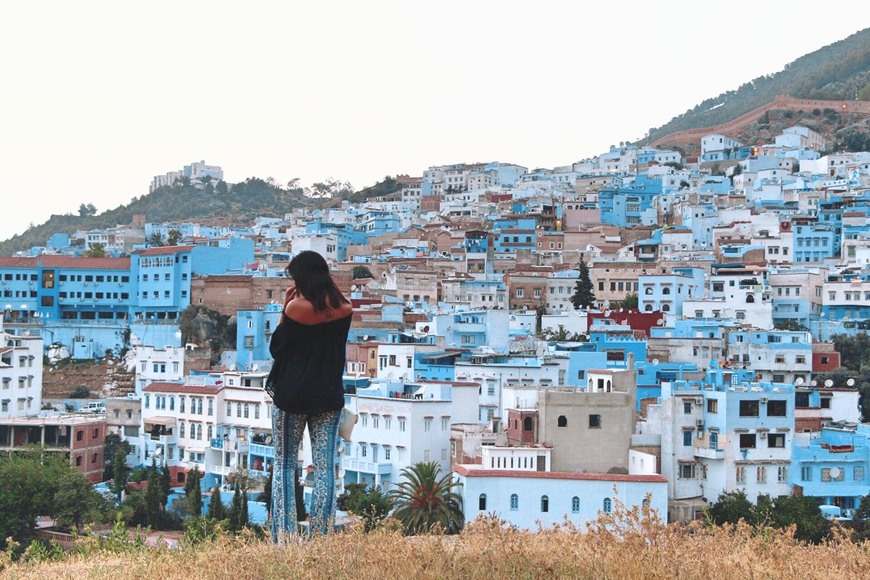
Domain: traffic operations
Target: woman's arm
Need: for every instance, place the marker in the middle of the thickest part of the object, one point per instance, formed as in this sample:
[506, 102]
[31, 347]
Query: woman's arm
[289, 295]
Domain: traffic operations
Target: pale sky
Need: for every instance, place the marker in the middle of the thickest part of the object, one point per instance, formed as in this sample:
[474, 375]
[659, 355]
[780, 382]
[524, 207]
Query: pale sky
[98, 97]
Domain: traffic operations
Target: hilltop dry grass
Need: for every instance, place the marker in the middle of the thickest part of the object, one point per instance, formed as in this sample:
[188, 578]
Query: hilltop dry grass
[485, 550]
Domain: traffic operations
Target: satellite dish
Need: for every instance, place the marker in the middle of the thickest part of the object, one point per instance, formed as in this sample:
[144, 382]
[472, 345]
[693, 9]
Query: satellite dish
[660, 321]
[158, 452]
[835, 472]
[799, 381]
[829, 383]
[268, 440]
[607, 313]
[655, 362]
[255, 368]
[851, 382]
[426, 328]
[813, 383]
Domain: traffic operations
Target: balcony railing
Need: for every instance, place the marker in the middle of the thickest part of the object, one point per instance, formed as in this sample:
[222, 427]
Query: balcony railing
[379, 468]
[708, 453]
[262, 450]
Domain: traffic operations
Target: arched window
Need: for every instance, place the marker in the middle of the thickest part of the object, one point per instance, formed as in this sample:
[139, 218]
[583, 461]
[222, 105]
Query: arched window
[608, 505]
[181, 431]
[171, 403]
[209, 432]
[562, 421]
[648, 291]
[609, 386]
[750, 298]
[515, 502]
[545, 503]
[527, 424]
[575, 505]
[666, 290]
[481, 502]
[666, 307]
[211, 407]
[129, 413]
[645, 502]
[648, 308]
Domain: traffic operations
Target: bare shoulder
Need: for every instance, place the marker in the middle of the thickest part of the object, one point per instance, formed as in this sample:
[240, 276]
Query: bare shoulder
[301, 311]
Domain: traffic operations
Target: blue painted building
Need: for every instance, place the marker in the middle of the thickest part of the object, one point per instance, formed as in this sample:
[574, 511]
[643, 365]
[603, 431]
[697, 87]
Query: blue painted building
[623, 206]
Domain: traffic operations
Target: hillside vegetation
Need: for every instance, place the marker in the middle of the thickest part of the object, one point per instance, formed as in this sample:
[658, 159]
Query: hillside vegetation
[180, 202]
[839, 71]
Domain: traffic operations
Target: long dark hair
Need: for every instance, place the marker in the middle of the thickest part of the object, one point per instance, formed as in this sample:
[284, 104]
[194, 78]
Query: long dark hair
[310, 272]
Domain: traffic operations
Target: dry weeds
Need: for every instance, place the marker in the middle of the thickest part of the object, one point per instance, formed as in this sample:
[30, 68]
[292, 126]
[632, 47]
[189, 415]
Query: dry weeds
[618, 546]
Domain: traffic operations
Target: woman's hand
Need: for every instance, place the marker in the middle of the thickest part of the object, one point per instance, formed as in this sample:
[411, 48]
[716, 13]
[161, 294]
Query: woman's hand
[289, 295]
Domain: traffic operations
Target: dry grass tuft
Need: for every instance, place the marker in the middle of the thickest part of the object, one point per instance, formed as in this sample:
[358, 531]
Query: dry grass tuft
[620, 545]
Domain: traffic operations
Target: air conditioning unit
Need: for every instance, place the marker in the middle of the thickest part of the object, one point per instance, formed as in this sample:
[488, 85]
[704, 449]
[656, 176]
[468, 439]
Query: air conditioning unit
[763, 434]
[699, 400]
[763, 399]
[699, 423]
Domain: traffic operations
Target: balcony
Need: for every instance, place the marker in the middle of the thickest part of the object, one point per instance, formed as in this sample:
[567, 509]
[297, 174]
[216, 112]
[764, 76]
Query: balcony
[354, 464]
[229, 444]
[262, 450]
[707, 453]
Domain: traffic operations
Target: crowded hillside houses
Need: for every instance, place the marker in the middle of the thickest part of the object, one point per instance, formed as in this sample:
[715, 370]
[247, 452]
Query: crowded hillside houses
[689, 370]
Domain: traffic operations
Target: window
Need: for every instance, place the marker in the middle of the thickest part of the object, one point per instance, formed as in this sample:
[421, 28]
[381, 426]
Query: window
[832, 474]
[761, 474]
[401, 423]
[562, 421]
[712, 405]
[806, 473]
[825, 402]
[687, 438]
[515, 502]
[749, 408]
[687, 471]
[858, 473]
[782, 473]
[481, 502]
[776, 408]
[527, 424]
[747, 441]
[687, 407]
[575, 505]
[776, 440]
[594, 421]
[607, 505]
[545, 503]
[427, 424]
[740, 474]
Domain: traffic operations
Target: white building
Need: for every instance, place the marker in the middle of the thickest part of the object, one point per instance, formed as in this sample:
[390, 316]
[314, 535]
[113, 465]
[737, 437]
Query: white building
[20, 374]
[400, 424]
[156, 364]
[527, 498]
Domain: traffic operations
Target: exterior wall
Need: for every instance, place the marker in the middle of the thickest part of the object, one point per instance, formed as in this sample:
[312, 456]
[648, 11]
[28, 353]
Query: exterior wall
[592, 494]
[609, 437]
[20, 375]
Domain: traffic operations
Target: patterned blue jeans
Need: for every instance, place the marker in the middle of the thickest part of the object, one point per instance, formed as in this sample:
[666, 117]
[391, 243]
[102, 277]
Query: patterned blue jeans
[287, 434]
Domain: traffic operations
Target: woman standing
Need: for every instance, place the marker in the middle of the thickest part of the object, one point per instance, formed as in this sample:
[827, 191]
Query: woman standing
[306, 386]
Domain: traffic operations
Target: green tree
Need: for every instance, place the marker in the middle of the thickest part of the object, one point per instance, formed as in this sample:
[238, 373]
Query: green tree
[75, 501]
[371, 504]
[238, 518]
[221, 188]
[97, 250]
[362, 272]
[731, 507]
[630, 302]
[266, 495]
[584, 294]
[28, 481]
[216, 509]
[854, 350]
[153, 498]
[173, 237]
[165, 484]
[154, 240]
[87, 210]
[803, 512]
[80, 392]
[120, 470]
[425, 501]
[193, 490]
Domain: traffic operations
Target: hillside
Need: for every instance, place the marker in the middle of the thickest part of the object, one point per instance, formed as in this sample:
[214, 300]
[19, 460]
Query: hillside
[181, 202]
[839, 71]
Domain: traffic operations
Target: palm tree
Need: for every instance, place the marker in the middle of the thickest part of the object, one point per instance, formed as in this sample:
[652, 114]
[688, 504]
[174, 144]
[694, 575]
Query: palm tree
[423, 501]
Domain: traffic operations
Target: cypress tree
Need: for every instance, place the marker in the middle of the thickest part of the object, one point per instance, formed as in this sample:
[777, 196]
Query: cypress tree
[584, 294]
[216, 509]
